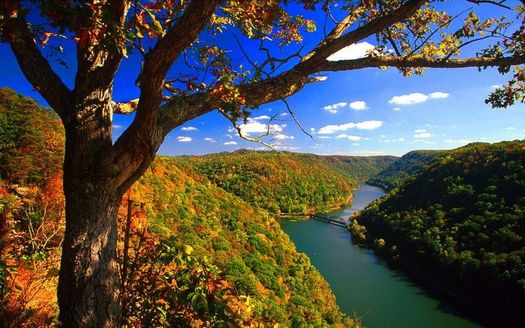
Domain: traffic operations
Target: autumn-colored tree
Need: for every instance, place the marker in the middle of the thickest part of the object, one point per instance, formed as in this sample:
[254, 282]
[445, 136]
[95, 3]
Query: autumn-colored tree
[411, 35]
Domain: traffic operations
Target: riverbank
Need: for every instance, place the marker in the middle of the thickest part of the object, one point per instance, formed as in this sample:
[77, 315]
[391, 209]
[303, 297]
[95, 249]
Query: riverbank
[484, 313]
[306, 215]
[364, 285]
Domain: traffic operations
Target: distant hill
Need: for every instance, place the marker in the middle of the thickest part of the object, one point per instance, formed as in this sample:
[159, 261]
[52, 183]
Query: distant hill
[283, 182]
[461, 218]
[404, 168]
[360, 168]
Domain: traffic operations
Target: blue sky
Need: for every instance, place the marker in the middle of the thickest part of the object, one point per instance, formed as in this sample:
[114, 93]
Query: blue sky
[365, 112]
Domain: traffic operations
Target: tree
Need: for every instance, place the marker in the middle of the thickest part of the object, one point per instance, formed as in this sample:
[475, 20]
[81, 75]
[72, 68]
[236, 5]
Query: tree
[411, 35]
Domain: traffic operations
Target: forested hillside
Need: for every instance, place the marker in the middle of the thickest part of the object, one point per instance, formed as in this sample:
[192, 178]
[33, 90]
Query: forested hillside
[403, 169]
[194, 250]
[462, 219]
[287, 182]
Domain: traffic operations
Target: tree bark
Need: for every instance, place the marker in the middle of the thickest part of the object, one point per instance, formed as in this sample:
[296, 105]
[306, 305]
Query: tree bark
[89, 282]
[89, 279]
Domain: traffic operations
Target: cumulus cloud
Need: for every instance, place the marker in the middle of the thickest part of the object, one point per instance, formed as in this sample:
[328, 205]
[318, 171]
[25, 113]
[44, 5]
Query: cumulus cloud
[353, 51]
[325, 137]
[365, 125]
[438, 95]
[287, 147]
[416, 98]
[396, 109]
[422, 133]
[209, 139]
[183, 139]
[392, 140]
[459, 141]
[283, 137]
[334, 108]
[255, 127]
[349, 137]
[230, 143]
[258, 118]
[358, 105]
[189, 128]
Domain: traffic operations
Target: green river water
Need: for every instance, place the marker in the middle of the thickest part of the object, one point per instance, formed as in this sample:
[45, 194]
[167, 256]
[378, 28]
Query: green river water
[363, 284]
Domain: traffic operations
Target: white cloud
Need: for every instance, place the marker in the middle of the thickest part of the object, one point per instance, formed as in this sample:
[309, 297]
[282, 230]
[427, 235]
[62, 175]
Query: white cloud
[365, 125]
[183, 139]
[262, 117]
[229, 143]
[422, 133]
[209, 139]
[392, 140]
[353, 51]
[287, 147]
[358, 105]
[335, 107]
[369, 152]
[396, 109]
[283, 114]
[283, 137]
[349, 137]
[325, 137]
[438, 95]
[458, 141]
[510, 128]
[258, 128]
[189, 128]
[117, 126]
[416, 98]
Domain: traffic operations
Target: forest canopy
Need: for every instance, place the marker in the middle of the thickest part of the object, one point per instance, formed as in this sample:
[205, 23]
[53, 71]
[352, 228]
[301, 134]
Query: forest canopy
[461, 218]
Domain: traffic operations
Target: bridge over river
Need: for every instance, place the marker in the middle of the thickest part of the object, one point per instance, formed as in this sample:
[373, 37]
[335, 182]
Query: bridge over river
[335, 220]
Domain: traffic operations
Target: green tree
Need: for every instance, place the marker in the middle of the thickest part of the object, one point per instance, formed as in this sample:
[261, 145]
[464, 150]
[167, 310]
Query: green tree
[97, 172]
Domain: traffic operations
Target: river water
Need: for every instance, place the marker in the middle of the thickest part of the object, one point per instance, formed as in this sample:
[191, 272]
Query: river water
[363, 284]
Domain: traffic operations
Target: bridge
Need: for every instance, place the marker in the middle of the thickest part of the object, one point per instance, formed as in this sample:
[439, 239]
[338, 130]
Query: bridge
[335, 220]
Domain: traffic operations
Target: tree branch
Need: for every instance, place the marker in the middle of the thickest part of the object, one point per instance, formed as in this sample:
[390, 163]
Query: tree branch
[159, 60]
[332, 45]
[37, 69]
[99, 57]
[345, 65]
[135, 148]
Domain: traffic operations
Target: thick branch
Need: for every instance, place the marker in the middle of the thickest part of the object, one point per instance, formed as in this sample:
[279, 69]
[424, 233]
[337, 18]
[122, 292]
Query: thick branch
[182, 109]
[124, 108]
[37, 69]
[137, 146]
[99, 57]
[332, 45]
[345, 65]
[168, 48]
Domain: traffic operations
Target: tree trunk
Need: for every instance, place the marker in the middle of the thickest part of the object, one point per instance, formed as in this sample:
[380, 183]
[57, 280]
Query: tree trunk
[89, 280]
[88, 288]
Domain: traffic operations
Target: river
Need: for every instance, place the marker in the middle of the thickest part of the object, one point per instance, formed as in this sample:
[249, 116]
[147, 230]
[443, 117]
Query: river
[363, 284]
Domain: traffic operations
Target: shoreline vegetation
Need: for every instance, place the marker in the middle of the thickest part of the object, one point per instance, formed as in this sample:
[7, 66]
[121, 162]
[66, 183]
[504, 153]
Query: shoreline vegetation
[457, 226]
[322, 209]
